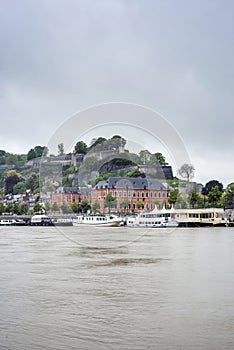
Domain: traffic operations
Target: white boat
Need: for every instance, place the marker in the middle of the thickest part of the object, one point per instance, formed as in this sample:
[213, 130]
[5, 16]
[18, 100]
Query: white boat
[12, 222]
[180, 217]
[153, 219]
[98, 220]
[199, 217]
[41, 220]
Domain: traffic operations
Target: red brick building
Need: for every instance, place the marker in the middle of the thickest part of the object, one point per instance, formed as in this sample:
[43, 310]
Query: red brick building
[131, 190]
[69, 195]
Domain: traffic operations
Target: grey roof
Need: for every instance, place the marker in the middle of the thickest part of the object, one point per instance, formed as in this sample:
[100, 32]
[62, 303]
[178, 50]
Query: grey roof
[135, 183]
[73, 190]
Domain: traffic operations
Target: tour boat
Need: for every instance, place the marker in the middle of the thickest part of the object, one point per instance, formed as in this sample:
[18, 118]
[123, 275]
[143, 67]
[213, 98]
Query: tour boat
[98, 220]
[180, 217]
[153, 219]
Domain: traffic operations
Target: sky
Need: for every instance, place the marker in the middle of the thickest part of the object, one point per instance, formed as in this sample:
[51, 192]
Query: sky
[175, 57]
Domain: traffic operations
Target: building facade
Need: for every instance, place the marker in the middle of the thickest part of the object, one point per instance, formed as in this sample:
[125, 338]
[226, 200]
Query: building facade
[130, 191]
[69, 195]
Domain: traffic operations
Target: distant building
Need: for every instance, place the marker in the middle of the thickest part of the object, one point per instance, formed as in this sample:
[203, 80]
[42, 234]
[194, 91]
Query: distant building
[148, 191]
[69, 195]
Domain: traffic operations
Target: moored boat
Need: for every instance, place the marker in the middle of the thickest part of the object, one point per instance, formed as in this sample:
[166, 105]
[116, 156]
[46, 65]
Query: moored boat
[41, 220]
[12, 222]
[98, 220]
[196, 217]
[153, 219]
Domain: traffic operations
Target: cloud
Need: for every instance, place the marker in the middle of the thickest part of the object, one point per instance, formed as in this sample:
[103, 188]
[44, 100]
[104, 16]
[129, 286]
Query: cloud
[58, 57]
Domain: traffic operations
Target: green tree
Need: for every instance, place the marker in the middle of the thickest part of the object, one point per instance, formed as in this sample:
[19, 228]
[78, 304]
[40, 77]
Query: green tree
[22, 208]
[134, 173]
[37, 152]
[74, 207]
[2, 208]
[12, 178]
[41, 151]
[96, 205]
[229, 194]
[19, 188]
[66, 181]
[65, 208]
[55, 207]
[209, 185]
[110, 202]
[81, 147]
[193, 198]
[173, 196]
[158, 159]
[214, 197]
[9, 208]
[97, 142]
[125, 204]
[85, 206]
[47, 206]
[139, 204]
[116, 142]
[32, 182]
[37, 209]
[16, 208]
[31, 154]
[11, 159]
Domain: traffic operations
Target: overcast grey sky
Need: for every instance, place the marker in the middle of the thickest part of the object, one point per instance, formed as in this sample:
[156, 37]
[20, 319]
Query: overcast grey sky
[176, 57]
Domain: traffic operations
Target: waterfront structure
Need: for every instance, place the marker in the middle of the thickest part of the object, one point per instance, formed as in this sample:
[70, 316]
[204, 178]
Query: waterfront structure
[131, 190]
[197, 217]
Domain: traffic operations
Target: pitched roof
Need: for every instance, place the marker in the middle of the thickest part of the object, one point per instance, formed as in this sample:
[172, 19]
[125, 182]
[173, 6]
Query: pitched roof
[135, 183]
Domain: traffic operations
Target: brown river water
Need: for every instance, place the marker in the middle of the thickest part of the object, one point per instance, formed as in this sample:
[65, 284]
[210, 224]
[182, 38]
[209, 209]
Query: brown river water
[116, 288]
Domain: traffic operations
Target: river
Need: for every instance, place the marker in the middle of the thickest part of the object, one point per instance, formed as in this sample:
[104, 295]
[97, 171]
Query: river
[116, 288]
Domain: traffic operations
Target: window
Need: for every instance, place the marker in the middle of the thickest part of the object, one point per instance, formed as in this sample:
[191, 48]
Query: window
[125, 194]
[138, 194]
[155, 194]
[142, 194]
[120, 193]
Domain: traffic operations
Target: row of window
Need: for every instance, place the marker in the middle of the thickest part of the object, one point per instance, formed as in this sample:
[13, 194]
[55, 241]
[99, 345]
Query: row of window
[133, 194]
